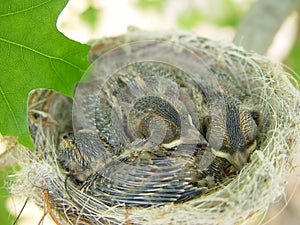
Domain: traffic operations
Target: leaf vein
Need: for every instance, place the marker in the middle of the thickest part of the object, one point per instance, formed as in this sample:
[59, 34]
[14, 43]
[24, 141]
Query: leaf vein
[56, 72]
[42, 54]
[25, 10]
[10, 109]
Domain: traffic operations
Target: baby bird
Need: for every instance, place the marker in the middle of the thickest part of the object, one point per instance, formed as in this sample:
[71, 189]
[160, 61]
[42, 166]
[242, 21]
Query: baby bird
[232, 131]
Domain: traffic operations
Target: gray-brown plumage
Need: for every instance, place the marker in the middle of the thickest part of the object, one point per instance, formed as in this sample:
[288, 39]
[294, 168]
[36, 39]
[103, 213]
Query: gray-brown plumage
[162, 138]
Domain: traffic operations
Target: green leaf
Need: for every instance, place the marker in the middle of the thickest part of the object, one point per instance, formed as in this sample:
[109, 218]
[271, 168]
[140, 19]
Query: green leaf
[33, 54]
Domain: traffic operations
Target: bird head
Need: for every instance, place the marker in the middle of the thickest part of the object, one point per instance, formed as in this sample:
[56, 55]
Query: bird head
[232, 132]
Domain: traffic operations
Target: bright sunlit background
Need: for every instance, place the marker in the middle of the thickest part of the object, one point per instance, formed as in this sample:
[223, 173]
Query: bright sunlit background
[84, 20]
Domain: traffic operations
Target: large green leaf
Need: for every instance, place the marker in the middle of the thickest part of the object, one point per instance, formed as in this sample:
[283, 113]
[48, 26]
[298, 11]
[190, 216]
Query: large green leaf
[33, 54]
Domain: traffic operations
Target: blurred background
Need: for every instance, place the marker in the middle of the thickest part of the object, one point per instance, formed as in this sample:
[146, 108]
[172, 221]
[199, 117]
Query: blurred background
[85, 20]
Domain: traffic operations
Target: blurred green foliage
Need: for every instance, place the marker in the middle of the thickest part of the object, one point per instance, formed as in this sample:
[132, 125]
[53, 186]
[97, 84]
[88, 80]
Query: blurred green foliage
[228, 13]
[5, 217]
[292, 59]
[157, 5]
[190, 18]
[91, 16]
[221, 13]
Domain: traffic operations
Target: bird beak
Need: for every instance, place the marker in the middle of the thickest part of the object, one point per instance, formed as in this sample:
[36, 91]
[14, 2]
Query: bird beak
[191, 137]
[239, 158]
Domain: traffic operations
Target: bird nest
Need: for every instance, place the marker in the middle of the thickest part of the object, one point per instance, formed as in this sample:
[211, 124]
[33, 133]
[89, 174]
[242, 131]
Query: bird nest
[251, 78]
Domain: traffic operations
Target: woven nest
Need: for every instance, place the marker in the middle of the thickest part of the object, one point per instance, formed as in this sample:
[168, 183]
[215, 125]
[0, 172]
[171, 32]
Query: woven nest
[261, 181]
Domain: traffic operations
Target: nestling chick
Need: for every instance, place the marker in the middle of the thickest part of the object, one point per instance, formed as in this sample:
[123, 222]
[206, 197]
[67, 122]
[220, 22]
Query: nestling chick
[232, 131]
